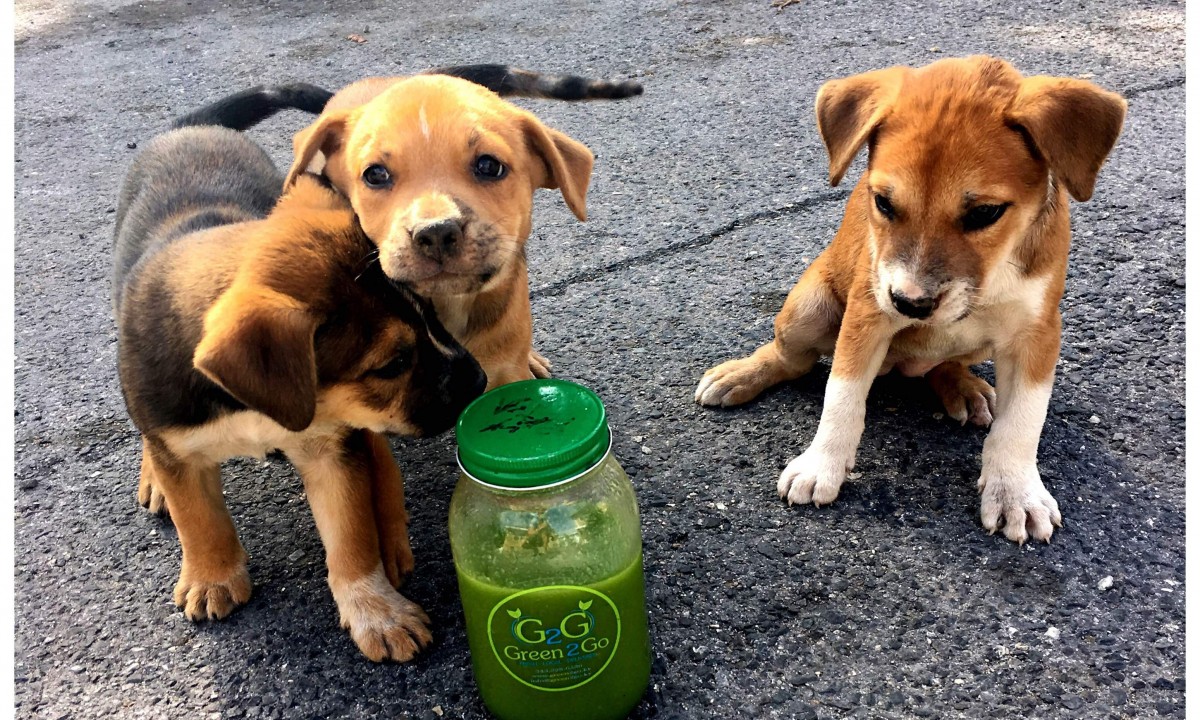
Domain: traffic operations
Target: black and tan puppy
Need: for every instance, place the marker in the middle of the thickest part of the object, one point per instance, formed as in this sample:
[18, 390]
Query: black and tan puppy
[240, 334]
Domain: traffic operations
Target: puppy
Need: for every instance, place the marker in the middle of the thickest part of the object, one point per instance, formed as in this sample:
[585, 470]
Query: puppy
[953, 250]
[441, 173]
[240, 334]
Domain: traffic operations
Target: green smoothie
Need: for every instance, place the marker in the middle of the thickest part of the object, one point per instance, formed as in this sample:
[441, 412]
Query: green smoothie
[548, 549]
[578, 652]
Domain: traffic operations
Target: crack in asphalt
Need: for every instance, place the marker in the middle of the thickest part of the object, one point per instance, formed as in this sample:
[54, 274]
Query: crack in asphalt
[557, 288]
[1163, 85]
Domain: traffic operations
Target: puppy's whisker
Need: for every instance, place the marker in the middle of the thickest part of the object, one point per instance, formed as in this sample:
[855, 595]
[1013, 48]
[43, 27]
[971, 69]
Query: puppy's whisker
[371, 259]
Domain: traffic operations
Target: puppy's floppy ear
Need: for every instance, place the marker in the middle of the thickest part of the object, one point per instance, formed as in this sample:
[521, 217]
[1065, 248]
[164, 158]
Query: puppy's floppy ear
[1072, 123]
[849, 109]
[325, 136]
[568, 163]
[258, 346]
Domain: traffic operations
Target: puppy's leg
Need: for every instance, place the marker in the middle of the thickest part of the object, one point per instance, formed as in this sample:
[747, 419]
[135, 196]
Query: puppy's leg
[506, 373]
[337, 478]
[213, 579]
[504, 349]
[817, 475]
[149, 496]
[1011, 491]
[965, 396]
[391, 519]
[805, 328]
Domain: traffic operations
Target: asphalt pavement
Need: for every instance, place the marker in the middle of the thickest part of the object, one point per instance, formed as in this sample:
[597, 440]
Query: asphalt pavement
[708, 200]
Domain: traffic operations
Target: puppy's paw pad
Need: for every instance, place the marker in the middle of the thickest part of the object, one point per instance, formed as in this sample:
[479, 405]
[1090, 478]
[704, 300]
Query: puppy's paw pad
[730, 383]
[212, 599]
[385, 625]
[1017, 502]
[813, 477]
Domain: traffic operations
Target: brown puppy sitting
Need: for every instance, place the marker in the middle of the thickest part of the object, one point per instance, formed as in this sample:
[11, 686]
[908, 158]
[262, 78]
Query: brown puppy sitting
[441, 173]
[953, 250]
[240, 335]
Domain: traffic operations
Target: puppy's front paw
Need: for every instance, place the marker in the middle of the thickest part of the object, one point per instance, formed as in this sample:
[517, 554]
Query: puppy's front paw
[966, 397]
[732, 383]
[1015, 498]
[150, 497]
[212, 593]
[383, 623]
[815, 477]
[396, 553]
[538, 364]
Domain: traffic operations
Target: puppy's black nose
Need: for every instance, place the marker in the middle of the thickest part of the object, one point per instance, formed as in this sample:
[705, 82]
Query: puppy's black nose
[916, 308]
[439, 239]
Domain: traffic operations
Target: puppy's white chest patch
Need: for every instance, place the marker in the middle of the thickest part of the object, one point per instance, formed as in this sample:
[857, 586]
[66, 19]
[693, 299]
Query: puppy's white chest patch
[1011, 303]
[454, 312]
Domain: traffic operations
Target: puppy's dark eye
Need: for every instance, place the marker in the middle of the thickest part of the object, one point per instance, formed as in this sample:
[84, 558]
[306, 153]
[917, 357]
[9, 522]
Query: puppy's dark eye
[884, 206]
[377, 176]
[980, 216]
[489, 168]
[394, 368]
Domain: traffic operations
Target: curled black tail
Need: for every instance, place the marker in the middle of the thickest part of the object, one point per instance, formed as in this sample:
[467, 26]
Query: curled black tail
[246, 109]
[509, 81]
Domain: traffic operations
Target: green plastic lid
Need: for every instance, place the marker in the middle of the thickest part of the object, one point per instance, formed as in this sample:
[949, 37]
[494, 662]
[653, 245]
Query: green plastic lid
[532, 433]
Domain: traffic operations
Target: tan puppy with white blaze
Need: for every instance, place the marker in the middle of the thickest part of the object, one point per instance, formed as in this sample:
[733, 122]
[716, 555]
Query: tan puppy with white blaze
[953, 249]
[441, 172]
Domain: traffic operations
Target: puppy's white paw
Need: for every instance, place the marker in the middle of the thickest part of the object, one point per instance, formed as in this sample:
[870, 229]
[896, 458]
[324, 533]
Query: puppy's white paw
[1015, 498]
[383, 623]
[815, 477]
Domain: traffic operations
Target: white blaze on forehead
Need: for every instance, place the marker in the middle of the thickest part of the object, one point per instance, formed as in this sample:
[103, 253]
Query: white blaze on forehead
[424, 122]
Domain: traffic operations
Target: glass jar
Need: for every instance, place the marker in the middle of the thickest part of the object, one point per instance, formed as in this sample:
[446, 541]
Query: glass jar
[548, 551]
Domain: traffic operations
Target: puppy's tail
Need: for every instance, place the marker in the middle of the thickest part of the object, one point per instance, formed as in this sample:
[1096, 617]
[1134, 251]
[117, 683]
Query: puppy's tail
[246, 109]
[509, 81]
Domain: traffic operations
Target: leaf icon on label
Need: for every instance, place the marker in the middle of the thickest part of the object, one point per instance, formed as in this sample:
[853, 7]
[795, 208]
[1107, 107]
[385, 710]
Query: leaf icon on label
[585, 605]
[514, 613]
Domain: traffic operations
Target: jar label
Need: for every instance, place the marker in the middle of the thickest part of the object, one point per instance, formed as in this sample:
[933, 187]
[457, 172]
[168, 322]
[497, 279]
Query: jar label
[556, 637]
